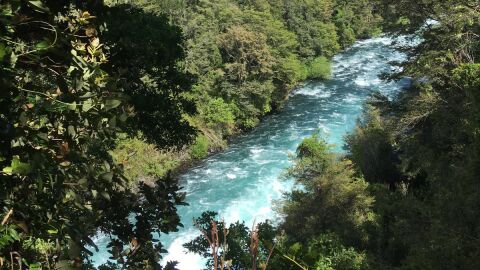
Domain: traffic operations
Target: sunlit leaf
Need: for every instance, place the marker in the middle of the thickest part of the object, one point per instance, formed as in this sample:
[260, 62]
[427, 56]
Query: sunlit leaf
[87, 95]
[107, 176]
[65, 163]
[38, 6]
[95, 42]
[7, 170]
[3, 51]
[71, 131]
[42, 136]
[17, 167]
[105, 195]
[112, 104]
[35, 266]
[87, 105]
[72, 106]
[42, 45]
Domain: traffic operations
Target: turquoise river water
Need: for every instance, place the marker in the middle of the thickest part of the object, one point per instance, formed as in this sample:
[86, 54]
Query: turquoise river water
[243, 182]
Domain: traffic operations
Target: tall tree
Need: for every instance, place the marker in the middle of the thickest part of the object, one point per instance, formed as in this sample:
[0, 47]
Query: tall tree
[63, 102]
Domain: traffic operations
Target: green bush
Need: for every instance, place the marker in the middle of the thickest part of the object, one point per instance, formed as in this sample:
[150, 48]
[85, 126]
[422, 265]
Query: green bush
[200, 148]
[142, 161]
[319, 68]
[219, 115]
[347, 36]
[329, 253]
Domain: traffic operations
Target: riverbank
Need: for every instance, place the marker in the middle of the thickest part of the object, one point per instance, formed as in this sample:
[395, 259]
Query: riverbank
[241, 61]
[244, 181]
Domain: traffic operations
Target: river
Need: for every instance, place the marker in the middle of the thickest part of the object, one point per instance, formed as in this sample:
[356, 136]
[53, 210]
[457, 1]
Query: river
[243, 182]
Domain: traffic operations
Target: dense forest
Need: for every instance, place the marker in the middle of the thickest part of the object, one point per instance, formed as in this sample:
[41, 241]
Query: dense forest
[101, 100]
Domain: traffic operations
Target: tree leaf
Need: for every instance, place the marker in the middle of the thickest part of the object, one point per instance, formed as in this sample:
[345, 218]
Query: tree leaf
[64, 265]
[38, 6]
[72, 106]
[3, 51]
[95, 42]
[13, 59]
[87, 105]
[105, 195]
[42, 136]
[71, 131]
[87, 95]
[65, 163]
[107, 176]
[35, 266]
[7, 170]
[112, 104]
[17, 167]
[42, 45]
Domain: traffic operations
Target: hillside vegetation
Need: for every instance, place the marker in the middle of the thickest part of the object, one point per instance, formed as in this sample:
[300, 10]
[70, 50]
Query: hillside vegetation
[247, 56]
[406, 194]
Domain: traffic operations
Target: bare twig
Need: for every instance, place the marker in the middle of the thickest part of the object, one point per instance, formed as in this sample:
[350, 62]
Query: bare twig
[18, 257]
[212, 241]
[296, 263]
[7, 216]
[269, 256]
[254, 245]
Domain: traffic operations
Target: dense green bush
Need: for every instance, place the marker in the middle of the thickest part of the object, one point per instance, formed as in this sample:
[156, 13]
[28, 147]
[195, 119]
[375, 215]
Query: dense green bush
[142, 161]
[199, 148]
[319, 68]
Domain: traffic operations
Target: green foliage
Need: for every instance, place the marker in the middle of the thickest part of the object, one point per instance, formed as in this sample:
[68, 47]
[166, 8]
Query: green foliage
[142, 161]
[17, 167]
[326, 252]
[370, 146]
[250, 53]
[67, 90]
[146, 69]
[8, 235]
[319, 68]
[337, 200]
[199, 148]
[234, 241]
[404, 196]
[219, 115]
[422, 148]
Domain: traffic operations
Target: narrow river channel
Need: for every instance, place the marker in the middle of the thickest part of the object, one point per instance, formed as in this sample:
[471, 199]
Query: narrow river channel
[243, 182]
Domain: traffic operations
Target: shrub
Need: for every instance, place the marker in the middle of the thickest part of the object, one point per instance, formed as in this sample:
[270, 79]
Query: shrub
[319, 68]
[219, 115]
[200, 148]
[142, 161]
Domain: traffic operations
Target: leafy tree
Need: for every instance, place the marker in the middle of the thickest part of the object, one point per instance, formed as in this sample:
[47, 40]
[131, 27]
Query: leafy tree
[142, 161]
[234, 242]
[145, 68]
[337, 200]
[62, 106]
[323, 252]
[371, 147]
[319, 68]
[425, 222]
[200, 148]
